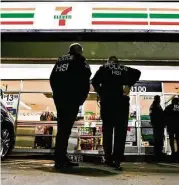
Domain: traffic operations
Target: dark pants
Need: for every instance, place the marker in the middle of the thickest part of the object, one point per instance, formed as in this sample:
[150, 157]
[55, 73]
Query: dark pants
[177, 139]
[115, 116]
[174, 133]
[158, 134]
[66, 116]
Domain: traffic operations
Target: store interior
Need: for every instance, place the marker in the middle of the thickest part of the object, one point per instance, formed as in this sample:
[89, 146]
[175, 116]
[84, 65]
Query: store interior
[36, 116]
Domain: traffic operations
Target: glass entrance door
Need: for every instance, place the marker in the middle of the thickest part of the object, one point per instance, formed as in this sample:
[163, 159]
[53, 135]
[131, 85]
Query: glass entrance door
[145, 128]
[131, 139]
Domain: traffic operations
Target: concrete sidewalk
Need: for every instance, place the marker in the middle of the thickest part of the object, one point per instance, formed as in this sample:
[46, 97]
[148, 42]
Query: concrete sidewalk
[41, 172]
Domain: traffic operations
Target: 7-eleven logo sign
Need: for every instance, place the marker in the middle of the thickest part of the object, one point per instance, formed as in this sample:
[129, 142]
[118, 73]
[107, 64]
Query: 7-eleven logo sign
[64, 15]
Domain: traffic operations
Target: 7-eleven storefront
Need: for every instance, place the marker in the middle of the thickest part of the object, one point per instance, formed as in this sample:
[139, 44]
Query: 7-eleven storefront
[29, 55]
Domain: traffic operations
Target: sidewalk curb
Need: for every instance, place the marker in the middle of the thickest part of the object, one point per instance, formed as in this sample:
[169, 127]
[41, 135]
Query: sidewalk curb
[90, 158]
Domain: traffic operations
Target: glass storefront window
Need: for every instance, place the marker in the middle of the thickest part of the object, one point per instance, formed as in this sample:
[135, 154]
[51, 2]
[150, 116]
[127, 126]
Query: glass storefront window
[33, 105]
[171, 87]
[35, 121]
[146, 128]
[91, 110]
[131, 139]
[36, 85]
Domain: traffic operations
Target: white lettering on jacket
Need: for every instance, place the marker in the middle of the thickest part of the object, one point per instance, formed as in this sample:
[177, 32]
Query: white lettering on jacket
[62, 67]
[116, 69]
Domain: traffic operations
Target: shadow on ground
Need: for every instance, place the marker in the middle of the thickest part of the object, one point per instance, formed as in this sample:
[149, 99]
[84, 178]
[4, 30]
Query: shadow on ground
[149, 168]
[82, 171]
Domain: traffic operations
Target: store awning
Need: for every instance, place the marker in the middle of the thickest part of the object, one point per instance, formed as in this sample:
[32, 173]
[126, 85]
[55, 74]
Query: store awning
[131, 53]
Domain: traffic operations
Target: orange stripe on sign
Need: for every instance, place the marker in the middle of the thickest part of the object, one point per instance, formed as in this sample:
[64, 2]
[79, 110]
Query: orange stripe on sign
[17, 9]
[164, 9]
[122, 9]
[61, 8]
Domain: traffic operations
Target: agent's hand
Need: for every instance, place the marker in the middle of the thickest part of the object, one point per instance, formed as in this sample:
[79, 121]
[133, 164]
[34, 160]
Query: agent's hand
[126, 90]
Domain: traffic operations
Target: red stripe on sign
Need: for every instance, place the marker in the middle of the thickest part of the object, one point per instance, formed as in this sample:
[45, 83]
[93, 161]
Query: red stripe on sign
[65, 12]
[16, 22]
[164, 23]
[119, 23]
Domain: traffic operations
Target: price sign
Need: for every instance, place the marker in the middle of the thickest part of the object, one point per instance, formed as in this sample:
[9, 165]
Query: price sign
[11, 101]
[147, 87]
[10, 97]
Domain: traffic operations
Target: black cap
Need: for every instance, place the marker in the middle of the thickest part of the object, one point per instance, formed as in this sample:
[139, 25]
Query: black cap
[75, 48]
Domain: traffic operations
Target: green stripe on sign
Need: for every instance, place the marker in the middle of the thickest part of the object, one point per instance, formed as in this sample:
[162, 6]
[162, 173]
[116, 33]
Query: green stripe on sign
[17, 15]
[164, 16]
[119, 15]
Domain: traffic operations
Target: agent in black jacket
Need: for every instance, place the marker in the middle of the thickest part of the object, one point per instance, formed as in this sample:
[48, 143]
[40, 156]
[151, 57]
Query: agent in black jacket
[70, 83]
[158, 124]
[109, 82]
[172, 121]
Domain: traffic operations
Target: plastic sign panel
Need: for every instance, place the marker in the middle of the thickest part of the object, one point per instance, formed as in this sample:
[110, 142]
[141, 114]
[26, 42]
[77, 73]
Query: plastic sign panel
[90, 16]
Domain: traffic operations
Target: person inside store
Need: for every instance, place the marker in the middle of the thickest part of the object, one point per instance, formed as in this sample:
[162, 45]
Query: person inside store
[158, 124]
[70, 83]
[43, 140]
[172, 121]
[112, 82]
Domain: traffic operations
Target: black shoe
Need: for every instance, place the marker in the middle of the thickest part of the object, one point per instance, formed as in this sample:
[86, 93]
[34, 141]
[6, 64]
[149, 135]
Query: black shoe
[110, 163]
[71, 164]
[117, 166]
[109, 160]
[59, 166]
[66, 164]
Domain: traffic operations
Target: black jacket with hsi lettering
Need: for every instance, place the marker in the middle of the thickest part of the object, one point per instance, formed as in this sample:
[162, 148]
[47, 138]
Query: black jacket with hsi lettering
[109, 80]
[70, 79]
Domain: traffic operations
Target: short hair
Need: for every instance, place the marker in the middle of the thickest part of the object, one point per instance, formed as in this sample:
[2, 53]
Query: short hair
[156, 98]
[175, 100]
[113, 59]
[75, 48]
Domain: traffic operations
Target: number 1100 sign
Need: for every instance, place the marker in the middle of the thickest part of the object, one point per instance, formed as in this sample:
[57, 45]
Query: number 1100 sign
[138, 89]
